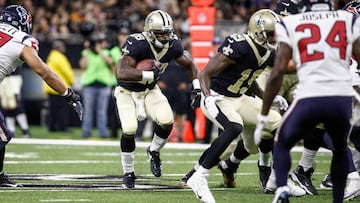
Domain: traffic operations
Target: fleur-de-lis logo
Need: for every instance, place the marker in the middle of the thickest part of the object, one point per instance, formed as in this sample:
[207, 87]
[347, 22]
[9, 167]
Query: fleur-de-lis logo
[227, 50]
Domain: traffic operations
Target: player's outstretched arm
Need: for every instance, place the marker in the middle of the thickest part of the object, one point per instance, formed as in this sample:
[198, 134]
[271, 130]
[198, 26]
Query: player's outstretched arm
[32, 59]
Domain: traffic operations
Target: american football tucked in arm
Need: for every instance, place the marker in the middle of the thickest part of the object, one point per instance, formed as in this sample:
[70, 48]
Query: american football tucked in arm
[145, 65]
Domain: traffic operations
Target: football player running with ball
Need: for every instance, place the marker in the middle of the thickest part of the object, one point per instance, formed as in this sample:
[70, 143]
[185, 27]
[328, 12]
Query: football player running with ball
[17, 47]
[138, 96]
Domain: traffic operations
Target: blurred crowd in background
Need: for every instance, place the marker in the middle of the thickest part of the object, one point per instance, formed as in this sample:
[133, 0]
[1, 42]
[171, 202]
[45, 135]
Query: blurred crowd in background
[73, 22]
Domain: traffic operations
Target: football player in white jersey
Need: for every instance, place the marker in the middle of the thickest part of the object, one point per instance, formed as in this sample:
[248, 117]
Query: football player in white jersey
[137, 94]
[321, 42]
[16, 47]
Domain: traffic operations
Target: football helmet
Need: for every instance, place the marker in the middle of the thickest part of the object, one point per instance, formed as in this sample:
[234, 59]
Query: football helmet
[286, 7]
[159, 28]
[315, 5]
[18, 17]
[261, 26]
[353, 7]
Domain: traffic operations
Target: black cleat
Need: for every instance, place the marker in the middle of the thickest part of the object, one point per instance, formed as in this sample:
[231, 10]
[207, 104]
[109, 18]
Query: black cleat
[155, 162]
[129, 180]
[264, 174]
[185, 178]
[303, 179]
[326, 183]
[228, 170]
[5, 181]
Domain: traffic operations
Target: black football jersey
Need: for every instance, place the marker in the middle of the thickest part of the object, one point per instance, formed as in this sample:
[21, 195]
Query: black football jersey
[237, 78]
[138, 47]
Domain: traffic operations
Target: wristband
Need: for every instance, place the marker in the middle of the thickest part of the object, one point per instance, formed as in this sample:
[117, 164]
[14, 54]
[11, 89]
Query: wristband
[147, 75]
[65, 93]
[263, 117]
[196, 84]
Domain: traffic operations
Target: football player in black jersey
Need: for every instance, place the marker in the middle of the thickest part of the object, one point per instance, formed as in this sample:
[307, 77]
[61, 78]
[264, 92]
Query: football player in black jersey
[224, 81]
[138, 96]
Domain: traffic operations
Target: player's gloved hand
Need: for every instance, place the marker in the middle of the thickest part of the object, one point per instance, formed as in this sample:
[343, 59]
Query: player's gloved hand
[280, 102]
[73, 100]
[156, 70]
[262, 121]
[195, 94]
[195, 98]
[210, 104]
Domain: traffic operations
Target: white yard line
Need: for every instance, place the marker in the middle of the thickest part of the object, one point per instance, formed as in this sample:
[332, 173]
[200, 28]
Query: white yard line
[169, 145]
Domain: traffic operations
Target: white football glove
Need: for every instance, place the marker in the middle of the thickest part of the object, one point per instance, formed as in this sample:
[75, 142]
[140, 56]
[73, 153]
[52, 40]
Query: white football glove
[210, 105]
[262, 121]
[280, 102]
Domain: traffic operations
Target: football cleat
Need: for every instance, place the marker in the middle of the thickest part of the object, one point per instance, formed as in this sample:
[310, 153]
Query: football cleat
[228, 170]
[294, 189]
[199, 185]
[5, 181]
[326, 183]
[282, 195]
[185, 178]
[303, 179]
[155, 162]
[264, 174]
[352, 188]
[129, 180]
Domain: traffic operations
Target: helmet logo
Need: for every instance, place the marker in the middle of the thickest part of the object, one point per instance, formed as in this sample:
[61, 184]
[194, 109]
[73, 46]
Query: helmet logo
[259, 22]
[24, 15]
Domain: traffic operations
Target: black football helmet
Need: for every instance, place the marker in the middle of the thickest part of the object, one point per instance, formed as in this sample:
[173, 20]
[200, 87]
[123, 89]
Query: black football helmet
[286, 7]
[18, 17]
[315, 5]
[353, 7]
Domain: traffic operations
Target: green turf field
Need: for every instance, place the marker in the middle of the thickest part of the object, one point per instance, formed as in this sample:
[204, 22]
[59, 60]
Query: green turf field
[73, 170]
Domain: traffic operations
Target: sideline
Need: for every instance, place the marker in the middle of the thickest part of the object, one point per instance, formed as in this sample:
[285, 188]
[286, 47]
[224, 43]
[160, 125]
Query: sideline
[169, 145]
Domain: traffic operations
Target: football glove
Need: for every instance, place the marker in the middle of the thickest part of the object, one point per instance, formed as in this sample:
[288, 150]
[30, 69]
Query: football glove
[262, 121]
[195, 94]
[73, 100]
[195, 98]
[210, 104]
[280, 102]
[157, 71]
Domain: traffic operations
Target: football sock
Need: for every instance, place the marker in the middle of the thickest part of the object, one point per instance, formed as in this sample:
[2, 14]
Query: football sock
[264, 159]
[22, 120]
[127, 161]
[307, 159]
[157, 143]
[10, 123]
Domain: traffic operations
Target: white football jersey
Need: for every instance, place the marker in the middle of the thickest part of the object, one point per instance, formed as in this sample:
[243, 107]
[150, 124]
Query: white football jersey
[321, 48]
[12, 42]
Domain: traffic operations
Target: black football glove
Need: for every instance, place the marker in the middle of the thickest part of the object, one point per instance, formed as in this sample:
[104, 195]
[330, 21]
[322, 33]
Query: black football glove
[195, 98]
[73, 100]
[156, 70]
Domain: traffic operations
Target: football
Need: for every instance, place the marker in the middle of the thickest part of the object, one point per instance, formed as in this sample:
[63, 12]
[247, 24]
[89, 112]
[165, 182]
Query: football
[145, 65]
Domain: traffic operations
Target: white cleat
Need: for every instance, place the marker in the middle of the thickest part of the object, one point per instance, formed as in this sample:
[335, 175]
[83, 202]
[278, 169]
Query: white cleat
[282, 195]
[199, 185]
[352, 188]
[295, 190]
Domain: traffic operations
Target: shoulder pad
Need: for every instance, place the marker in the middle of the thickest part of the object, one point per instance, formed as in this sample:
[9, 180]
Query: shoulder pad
[31, 42]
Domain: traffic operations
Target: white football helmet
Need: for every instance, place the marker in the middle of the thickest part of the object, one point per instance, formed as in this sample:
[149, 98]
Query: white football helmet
[261, 26]
[159, 23]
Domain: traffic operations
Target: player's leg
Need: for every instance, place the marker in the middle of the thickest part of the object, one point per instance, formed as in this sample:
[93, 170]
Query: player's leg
[303, 172]
[126, 111]
[5, 181]
[338, 126]
[159, 110]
